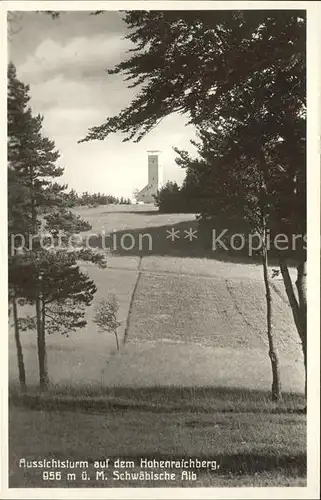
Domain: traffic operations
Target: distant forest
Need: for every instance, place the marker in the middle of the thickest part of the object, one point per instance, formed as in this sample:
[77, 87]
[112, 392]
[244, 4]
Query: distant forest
[72, 199]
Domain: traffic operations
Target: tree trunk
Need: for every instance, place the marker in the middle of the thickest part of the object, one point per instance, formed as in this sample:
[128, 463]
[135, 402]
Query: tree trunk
[298, 307]
[264, 211]
[21, 365]
[41, 343]
[301, 284]
[117, 342]
[275, 365]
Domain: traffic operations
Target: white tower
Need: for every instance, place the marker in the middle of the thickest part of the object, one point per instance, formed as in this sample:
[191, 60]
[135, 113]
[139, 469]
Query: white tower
[154, 177]
[146, 195]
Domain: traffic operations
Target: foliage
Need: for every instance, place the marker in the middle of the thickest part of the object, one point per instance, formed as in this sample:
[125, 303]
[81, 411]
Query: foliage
[63, 218]
[170, 199]
[73, 199]
[106, 316]
[203, 62]
[55, 277]
[240, 77]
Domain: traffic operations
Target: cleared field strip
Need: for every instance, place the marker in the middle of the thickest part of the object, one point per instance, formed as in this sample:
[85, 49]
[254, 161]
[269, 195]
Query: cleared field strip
[193, 331]
[216, 312]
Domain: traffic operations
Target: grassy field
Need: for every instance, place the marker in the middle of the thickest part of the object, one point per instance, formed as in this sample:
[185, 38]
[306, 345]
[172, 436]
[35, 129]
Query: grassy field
[181, 330]
[188, 315]
[243, 445]
[193, 377]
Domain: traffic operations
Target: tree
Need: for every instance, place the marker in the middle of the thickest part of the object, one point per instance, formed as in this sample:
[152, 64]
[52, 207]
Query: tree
[223, 69]
[170, 198]
[195, 62]
[32, 191]
[32, 160]
[20, 360]
[106, 316]
[54, 280]
[19, 220]
[238, 186]
[61, 220]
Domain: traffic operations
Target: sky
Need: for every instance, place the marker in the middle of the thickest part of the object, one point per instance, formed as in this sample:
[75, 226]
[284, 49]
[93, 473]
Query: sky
[65, 61]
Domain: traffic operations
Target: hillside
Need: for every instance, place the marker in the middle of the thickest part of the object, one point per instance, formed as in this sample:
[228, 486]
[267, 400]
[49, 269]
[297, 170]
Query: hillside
[192, 321]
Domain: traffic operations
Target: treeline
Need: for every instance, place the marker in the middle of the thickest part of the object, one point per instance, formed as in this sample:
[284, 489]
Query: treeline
[72, 198]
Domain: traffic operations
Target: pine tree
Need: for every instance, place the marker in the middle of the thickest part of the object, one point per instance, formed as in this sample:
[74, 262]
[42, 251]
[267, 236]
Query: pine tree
[19, 219]
[63, 291]
[31, 164]
[32, 191]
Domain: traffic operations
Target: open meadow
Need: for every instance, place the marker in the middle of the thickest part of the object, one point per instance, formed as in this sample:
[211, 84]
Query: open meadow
[192, 376]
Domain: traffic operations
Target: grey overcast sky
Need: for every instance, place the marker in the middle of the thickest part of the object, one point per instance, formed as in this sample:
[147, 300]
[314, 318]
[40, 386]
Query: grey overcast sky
[64, 61]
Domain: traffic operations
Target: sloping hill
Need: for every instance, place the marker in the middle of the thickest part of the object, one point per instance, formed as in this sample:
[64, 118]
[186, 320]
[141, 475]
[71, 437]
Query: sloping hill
[193, 321]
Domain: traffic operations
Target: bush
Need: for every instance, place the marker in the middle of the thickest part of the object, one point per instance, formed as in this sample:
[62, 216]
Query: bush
[171, 199]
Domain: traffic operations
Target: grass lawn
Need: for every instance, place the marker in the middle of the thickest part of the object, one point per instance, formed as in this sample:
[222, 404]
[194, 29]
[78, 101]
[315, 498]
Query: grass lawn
[251, 449]
[127, 217]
